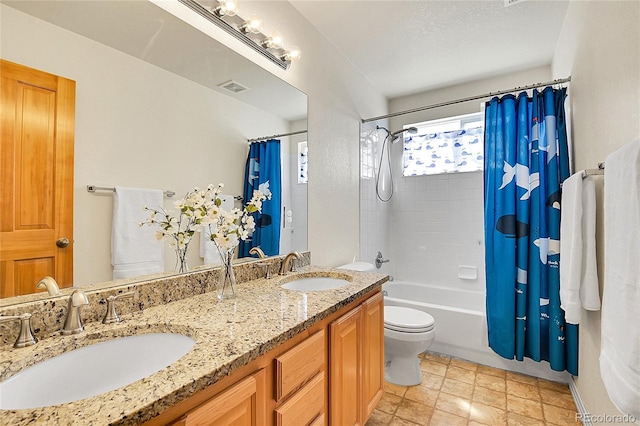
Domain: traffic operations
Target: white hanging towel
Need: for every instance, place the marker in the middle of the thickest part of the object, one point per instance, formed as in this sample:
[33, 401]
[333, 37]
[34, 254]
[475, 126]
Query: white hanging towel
[620, 339]
[208, 249]
[578, 269]
[135, 250]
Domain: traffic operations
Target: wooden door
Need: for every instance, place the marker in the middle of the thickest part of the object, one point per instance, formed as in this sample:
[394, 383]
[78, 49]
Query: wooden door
[373, 353]
[243, 404]
[37, 122]
[345, 366]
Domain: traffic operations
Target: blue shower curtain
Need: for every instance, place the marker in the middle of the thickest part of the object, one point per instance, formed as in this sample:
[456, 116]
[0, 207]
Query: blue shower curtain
[526, 159]
[263, 165]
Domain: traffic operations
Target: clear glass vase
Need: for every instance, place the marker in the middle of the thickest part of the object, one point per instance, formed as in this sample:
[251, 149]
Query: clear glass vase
[227, 281]
[181, 260]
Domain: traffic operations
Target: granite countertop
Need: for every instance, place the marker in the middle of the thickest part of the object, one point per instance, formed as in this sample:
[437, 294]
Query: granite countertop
[228, 335]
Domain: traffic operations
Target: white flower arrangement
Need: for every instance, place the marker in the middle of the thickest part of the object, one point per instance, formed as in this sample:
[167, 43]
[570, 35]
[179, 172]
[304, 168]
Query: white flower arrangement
[201, 209]
[226, 229]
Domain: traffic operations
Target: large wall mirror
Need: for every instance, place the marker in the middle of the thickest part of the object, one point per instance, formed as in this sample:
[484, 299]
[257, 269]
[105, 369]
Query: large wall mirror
[150, 112]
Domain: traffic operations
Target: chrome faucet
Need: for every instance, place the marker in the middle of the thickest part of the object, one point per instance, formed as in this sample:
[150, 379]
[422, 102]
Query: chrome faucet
[111, 315]
[26, 337]
[288, 263]
[73, 322]
[380, 260]
[258, 251]
[50, 284]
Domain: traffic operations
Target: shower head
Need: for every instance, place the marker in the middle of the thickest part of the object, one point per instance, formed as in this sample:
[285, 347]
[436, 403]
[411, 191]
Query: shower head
[395, 136]
[411, 130]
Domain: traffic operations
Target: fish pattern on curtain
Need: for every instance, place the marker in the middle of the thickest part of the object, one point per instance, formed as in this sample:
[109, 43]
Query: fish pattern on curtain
[526, 159]
[263, 164]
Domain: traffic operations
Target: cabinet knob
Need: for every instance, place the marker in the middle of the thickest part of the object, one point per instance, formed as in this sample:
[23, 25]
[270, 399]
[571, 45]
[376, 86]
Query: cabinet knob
[62, 242]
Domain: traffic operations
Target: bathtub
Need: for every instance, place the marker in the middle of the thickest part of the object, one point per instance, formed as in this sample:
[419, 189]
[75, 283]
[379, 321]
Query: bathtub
[461, 325]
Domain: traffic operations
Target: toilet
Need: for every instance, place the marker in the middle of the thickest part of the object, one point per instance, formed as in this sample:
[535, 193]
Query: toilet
[407, 333]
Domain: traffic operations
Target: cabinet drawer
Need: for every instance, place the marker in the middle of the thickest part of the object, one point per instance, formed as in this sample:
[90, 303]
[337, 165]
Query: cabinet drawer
[299, 364]
[305, 406]
[243, 403]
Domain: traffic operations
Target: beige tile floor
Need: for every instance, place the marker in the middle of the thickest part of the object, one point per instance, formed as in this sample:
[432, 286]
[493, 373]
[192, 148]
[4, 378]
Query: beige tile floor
[456, 392]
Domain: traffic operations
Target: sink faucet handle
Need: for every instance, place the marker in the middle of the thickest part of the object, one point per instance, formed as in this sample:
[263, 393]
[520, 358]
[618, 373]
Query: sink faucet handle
[26, 337]
[73, 322]
[267, 266]
[111, 315]
[50, 285]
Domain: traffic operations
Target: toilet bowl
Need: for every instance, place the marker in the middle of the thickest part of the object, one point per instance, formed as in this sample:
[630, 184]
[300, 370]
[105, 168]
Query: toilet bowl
[407, 333]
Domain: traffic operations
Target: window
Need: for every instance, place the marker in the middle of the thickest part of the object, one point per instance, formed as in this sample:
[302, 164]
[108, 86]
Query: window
[449, 145]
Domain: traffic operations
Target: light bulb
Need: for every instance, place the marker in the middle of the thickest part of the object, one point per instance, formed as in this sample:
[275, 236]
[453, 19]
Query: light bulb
[227, 7]
[252, 25]
[292, 54]
[275, 41]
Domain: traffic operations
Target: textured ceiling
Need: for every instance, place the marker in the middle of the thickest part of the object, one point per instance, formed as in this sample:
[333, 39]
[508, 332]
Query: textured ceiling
[405, 47]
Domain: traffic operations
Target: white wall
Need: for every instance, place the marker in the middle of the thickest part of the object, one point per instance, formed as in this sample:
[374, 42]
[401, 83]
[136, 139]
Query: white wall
[599, 47]
[136, 125]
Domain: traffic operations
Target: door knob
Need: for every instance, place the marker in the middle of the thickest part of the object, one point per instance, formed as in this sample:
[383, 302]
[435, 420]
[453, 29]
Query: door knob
[62, 242]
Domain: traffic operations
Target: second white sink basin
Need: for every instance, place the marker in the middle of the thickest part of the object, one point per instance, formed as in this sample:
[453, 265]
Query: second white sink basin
[92, 370]
[315, 284]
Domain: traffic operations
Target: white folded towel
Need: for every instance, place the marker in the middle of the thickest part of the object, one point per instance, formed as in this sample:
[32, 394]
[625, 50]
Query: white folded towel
[135, 250]
[208, 249]
[578, 269]
[620, 338]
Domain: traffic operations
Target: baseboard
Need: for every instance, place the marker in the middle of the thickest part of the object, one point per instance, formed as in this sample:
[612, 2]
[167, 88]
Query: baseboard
[582, 411]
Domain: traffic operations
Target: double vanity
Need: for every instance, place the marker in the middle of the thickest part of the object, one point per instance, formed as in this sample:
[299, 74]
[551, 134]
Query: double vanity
[304, 348]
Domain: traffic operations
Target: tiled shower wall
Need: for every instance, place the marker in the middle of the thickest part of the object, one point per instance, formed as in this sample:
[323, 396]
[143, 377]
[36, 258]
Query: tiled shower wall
[436, 227]
[431, 227]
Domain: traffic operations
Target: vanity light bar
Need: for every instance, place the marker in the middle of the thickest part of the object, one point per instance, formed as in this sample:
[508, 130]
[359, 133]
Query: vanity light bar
[236, 30]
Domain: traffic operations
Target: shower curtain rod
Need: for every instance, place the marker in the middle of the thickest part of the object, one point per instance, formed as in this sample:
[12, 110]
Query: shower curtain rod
[276, 136]
[470, 98]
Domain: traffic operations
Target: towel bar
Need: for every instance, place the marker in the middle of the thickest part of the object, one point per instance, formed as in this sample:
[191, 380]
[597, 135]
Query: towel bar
[94, 188]
[598, 171]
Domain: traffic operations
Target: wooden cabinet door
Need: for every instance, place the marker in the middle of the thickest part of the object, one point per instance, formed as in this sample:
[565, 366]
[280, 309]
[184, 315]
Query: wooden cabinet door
[373, 353]
[37, 122]
[305, 406]
[243, 404]
[345, 364]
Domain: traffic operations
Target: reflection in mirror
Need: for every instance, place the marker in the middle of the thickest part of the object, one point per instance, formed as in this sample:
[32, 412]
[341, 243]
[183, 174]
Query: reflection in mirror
[150, 113]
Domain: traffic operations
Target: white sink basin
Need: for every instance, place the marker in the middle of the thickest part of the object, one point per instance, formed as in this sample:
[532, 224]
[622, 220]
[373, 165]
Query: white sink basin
[92, 370]
[315, 284]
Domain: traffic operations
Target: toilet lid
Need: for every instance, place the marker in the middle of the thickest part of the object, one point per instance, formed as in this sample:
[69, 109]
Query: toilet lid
[410, 320]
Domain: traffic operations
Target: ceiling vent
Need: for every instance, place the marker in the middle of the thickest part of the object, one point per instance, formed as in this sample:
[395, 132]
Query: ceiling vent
[233, 87]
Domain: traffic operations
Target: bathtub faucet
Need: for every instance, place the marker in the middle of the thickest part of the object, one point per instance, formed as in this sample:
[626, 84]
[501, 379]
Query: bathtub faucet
[380, 260]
